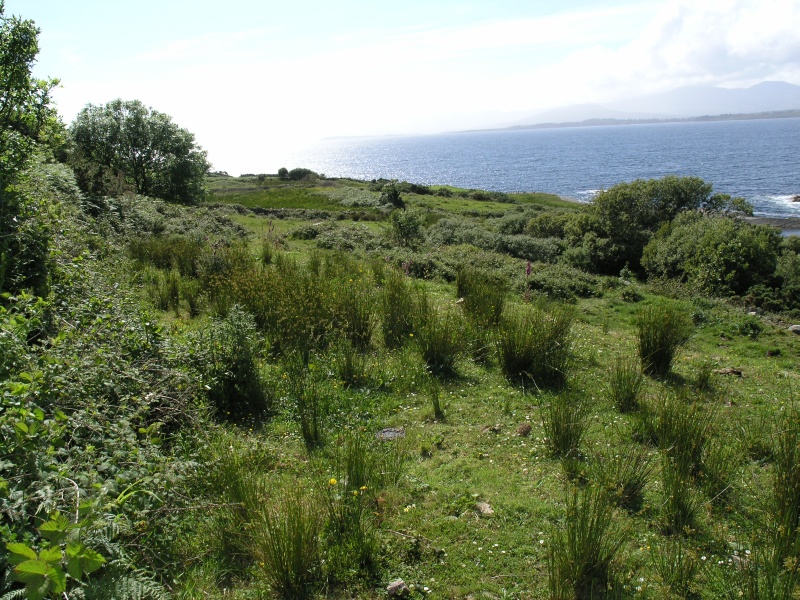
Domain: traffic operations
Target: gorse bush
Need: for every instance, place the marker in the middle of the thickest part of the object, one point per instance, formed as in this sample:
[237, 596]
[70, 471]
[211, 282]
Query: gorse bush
[661, 331]
[533, 344]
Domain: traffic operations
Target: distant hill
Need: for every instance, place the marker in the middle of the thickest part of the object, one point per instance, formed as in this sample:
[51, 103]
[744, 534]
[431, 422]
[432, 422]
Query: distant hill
[680, 103]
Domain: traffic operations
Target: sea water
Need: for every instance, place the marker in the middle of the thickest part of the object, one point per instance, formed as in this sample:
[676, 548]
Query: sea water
[756, 159]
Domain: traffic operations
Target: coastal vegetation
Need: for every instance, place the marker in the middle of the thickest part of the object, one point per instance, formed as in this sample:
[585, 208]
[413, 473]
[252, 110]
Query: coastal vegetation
[294, 386]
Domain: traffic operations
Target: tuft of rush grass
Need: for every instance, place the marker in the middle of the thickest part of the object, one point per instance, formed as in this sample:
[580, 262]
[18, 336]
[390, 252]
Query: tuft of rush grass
[625, 382]
[303, 391]
[681, 505]
[582, 549]
[398, 307]
[684, 430]
[662, 329]
[786, 483]
[439, 337]
[565, 420]
[533, 344]
[282, 535]
[677, 566]
[624, 472]
[482, 297]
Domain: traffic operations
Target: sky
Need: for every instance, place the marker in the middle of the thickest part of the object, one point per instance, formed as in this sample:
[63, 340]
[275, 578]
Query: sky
[256, 80]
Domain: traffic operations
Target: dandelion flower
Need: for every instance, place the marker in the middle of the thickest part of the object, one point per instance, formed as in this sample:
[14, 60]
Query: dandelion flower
[332, 481]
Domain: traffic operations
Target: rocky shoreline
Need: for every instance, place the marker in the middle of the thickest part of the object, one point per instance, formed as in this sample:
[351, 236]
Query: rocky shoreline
[782, 223]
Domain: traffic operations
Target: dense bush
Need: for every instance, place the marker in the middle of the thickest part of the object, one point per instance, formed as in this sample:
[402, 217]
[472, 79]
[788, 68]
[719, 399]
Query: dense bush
[717, 254]
[621, 220]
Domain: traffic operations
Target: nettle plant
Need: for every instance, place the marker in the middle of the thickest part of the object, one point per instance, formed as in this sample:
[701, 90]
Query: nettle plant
[62, 554]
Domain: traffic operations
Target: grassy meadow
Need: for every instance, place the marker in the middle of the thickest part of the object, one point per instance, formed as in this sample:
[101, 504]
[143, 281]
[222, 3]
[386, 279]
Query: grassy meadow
[295, 390]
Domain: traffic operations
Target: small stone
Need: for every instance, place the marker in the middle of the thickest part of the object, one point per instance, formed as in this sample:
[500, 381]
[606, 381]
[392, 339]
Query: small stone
[729, 371]
[484, 509]
[391, 433]
[795, 329]
[398, 589]
[524, 430]
[496, 428]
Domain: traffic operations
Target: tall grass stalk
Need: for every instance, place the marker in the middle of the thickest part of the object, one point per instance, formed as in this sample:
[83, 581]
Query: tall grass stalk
[306, 396]
[661, 331]
[786, 482]
[533, 344]
[582, 550]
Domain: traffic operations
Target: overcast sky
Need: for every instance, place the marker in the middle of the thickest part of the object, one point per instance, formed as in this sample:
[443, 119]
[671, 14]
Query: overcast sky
[255, 79]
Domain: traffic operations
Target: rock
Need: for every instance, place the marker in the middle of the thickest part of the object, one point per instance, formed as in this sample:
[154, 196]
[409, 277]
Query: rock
[524, 430]
[391, 433]
[398, 589]
[796, 198]
[496, 428]
[484, 509]
[729, 371]
[795, 329]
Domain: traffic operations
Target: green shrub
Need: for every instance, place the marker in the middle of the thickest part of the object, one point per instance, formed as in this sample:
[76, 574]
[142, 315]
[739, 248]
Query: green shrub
[717, 254]
[406, 227]
[533, 344]
[661, 331]
[582, 550]
[561, 282]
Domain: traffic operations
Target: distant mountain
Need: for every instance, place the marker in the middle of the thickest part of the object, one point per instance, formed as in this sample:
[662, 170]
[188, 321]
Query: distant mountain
[694, 101]
[708, 100]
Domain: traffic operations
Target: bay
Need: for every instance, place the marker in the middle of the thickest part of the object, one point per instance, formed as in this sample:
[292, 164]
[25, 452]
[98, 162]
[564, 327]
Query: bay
[756, 159]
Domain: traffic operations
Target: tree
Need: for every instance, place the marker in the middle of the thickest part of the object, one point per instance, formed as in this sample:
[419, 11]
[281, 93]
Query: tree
[124, 144]
[27, 123]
